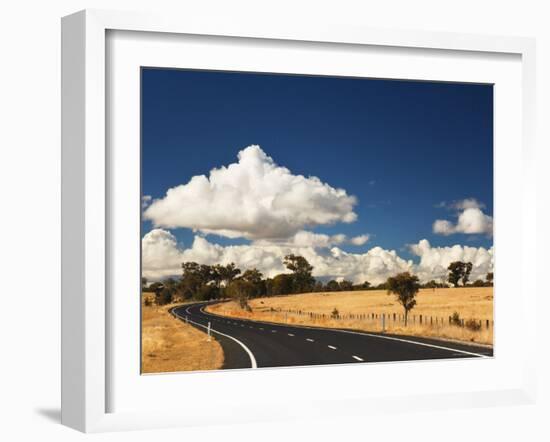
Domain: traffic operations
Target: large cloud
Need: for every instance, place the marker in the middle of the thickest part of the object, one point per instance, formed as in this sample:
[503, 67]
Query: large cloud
[471, 220]
[162, 257]
[254, 199]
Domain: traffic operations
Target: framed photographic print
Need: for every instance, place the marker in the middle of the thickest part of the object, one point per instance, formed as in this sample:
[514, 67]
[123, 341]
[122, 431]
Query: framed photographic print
[261, 213]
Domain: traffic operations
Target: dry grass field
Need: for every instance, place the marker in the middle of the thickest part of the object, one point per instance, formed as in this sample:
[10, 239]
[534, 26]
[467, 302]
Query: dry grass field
[469, 303]
[169, 345]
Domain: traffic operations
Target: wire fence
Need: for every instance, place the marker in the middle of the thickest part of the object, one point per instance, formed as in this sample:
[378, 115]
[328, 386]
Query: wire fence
[392, 318]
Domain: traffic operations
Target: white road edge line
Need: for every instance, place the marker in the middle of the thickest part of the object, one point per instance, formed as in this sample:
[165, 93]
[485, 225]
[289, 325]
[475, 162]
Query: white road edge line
[310, 340]
[408, 341]
[358, 358]
[332, 347]
[290, 334]
[250, 354]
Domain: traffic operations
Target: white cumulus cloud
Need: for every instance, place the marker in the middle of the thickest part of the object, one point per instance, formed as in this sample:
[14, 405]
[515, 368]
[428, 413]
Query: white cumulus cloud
[471, 220]
[162, 257]
[254, 198]
[435, 260]
[359, 240]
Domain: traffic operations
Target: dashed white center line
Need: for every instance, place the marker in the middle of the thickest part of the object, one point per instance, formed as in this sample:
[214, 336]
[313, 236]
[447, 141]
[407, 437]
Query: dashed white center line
[332, 347]
[273, 331]
[261, 328]
[310, 340]
[357, 358]
[290, 334]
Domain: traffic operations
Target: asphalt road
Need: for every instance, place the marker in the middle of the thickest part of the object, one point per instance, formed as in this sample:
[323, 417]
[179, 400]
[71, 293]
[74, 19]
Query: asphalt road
[253, 344]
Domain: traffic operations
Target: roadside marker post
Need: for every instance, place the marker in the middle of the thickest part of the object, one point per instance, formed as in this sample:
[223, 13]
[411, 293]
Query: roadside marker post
[383, 322]
[208, 330]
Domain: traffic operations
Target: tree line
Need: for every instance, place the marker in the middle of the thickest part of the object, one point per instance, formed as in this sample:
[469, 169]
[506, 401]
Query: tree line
[202, 282]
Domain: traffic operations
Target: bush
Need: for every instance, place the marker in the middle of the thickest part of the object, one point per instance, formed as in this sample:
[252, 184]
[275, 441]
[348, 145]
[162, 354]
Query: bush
[148, 302]
[473, 325]
[163, 297]
[456, 320]
[335, 313]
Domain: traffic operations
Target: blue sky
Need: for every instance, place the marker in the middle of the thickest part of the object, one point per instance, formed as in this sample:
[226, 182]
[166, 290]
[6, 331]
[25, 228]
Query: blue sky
[400, 147]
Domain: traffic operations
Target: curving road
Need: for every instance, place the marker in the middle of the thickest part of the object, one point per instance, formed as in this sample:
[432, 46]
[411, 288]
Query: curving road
[253, 344]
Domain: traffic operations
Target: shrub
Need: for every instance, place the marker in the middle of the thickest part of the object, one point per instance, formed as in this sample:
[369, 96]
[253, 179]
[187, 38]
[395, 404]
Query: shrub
[455, 319]
[163, 297]
[473, 325]
[335, 313]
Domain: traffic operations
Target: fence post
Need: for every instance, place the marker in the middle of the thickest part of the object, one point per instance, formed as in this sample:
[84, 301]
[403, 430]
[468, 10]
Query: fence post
[208, 330]
[383, 322]
[420, 319]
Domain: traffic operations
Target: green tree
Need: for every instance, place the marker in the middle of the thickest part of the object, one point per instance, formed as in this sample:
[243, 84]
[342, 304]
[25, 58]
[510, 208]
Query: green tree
[405, 286]
[163, 296]
[332, 286]
[193, 278]
[467, 270]
[303, 281]
[318, 286]
[156, 287]
[455, 269]
[345, 285]
[459, 271]
[255, 277]
[281, 284]
[489, 278]
[241, 290]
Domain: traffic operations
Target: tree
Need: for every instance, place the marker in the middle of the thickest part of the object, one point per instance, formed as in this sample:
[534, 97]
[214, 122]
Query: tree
[303, 281]
[345, 285]
[192, 280]
[318, 286]
[405, 286]
[255, 277]
[459, 271]
[364, 286]
[431, 284]
[228, 273]
[281, 284]
[332, 286]
[163, 296]
[156, 287]
[143, 283]
[489, 278]
[241, 290]
[467, 270]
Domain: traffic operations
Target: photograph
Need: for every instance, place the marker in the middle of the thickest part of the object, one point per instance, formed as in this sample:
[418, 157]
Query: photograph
[292, 220]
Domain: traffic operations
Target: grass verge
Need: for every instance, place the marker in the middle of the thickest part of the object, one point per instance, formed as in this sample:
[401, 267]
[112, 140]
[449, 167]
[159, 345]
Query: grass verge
[168, 344]
[474, 302]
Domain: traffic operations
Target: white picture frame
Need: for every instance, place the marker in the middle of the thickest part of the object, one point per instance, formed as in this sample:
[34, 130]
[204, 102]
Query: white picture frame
[85, 209]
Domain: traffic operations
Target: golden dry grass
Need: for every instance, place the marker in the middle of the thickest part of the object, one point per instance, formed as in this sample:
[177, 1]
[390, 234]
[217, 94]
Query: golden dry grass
[469, 303]
[170, 345]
